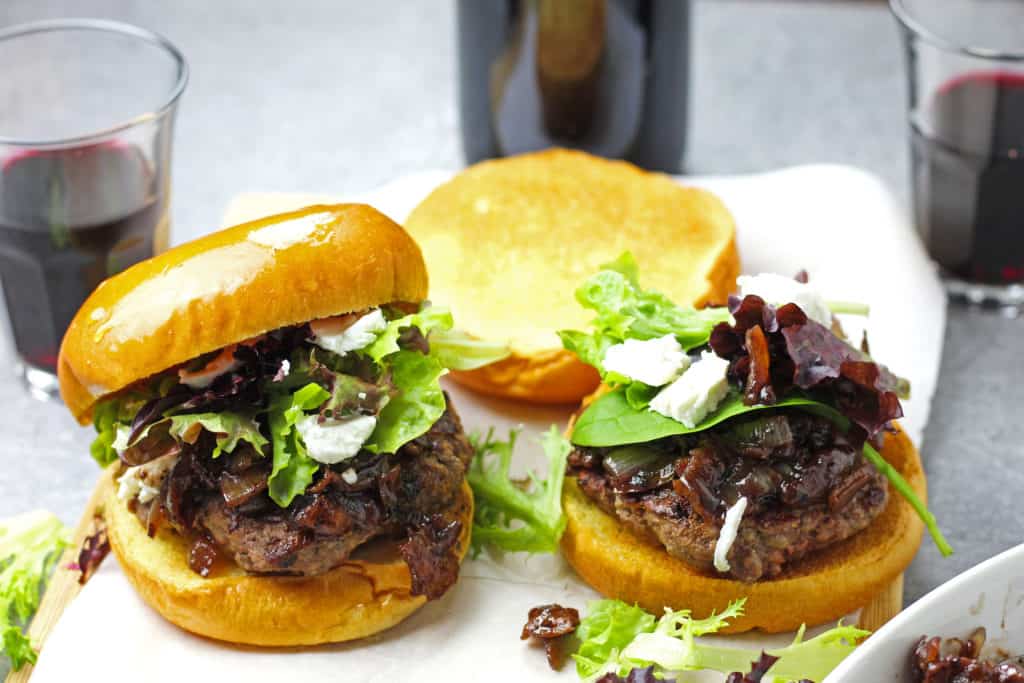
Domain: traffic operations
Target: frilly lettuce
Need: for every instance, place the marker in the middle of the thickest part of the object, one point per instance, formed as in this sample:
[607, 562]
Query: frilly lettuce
[228, 428]
[610, 625]
[670, 645]
[30, 545]
[625, 311]
[511, 517]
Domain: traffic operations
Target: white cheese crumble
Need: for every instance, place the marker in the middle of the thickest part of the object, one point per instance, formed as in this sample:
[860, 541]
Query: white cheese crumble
[358, 335]
[332, 441]
[349, 476]
[779, 290]
[143, 482]
[286, 367]
[204, 378]
[727, 536]
[696, 393]
[654, 361]
[120, 443]
[131, 485]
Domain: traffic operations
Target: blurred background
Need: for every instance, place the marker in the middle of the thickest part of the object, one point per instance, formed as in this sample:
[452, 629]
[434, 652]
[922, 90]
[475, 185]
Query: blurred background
[772, 84]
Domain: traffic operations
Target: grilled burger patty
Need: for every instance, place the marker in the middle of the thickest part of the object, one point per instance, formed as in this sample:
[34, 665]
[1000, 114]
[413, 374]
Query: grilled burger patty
[223, 504]
[806, 485]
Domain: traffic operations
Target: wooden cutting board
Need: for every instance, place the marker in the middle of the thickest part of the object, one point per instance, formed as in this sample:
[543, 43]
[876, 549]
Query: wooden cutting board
[63, 585]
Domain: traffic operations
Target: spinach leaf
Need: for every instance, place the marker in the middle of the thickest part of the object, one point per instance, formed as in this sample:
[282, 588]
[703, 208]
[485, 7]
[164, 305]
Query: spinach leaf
[613, 420]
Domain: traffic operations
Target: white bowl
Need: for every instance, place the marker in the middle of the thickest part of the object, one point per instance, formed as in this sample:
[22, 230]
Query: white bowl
[990, 595]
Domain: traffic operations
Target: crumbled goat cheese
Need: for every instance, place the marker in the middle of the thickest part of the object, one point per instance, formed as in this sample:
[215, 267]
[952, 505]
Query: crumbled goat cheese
[696, 393]
[358, 335]
[653, 361]
[779, 290]
[727, 536]
[332, 441]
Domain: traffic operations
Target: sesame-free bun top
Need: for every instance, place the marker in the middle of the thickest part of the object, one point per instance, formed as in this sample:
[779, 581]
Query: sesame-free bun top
[231, 285]
[509, 241]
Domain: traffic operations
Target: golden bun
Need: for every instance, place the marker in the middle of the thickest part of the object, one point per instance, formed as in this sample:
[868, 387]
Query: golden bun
[508, 242]
[232, 285]
[361, 597]
[820, 588]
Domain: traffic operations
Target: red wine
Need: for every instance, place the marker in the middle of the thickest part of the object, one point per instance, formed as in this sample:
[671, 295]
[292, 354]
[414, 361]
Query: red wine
[968, 151]
[68, 220]
[606, 76]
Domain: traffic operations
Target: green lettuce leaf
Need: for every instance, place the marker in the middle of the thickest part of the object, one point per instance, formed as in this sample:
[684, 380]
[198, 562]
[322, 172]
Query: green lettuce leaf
[293, 469]
[429, 319]
[615, 420]
[616, 638]
[109, 414]
[625, 311]
[672, 646]
[30, 545]
[459, 351]
[511, 517]
[608, 627]
[229, 429]
[418, 404]
[105, 420]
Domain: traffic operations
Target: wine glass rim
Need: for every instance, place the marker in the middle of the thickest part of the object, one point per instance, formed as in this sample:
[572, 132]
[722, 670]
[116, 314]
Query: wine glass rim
[104, 26]
[910, 23]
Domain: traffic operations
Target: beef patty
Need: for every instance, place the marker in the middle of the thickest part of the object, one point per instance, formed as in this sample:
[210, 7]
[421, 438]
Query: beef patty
[224, 504]
[806, 485]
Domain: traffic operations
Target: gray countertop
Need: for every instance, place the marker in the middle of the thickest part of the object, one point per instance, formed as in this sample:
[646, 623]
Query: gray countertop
[343, 96]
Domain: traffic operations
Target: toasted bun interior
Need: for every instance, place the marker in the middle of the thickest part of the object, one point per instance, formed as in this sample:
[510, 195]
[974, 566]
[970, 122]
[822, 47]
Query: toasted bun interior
[232, 285]
[508, 242]
[365, 595]
[820, 588]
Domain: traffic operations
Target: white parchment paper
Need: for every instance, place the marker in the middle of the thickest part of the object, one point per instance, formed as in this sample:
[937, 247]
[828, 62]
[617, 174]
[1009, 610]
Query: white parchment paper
[838, 223]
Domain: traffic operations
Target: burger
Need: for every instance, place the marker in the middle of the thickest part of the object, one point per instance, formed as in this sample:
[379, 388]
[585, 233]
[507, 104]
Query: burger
[285, 468]
[748, 451]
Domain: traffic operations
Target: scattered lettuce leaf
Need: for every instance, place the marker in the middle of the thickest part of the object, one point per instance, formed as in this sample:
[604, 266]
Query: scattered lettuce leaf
[606, 630]
[418, 404]
[511, 517]
[428, 319]
[229, 429]
[293, 469]
[30, 545]
[459, 351]
[671, 645]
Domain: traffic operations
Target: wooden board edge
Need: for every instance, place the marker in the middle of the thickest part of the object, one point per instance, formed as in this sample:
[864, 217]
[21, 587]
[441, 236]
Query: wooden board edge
[883, 607]
[63, 585]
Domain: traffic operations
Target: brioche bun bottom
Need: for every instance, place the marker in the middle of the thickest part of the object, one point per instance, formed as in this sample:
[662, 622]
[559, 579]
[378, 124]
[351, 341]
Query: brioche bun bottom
[822, 587]
[367, 594]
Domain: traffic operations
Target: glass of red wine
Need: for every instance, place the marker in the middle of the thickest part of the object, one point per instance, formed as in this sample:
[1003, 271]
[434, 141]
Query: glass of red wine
[86, 120]
[965, 62]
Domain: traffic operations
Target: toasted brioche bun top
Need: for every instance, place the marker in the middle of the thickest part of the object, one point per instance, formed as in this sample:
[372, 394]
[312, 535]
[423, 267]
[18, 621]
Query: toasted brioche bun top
[232, 285]
[509, 241]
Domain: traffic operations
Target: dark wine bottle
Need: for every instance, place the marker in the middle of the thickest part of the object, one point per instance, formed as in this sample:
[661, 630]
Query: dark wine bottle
[606, 76]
